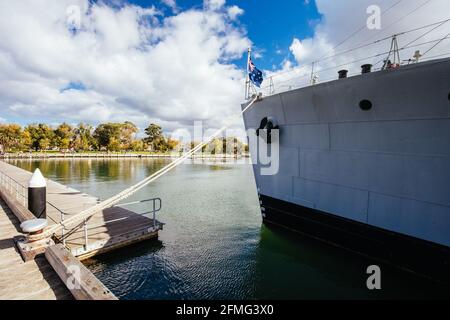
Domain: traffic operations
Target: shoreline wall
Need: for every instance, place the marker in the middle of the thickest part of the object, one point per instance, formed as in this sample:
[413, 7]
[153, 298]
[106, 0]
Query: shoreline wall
[112, 156]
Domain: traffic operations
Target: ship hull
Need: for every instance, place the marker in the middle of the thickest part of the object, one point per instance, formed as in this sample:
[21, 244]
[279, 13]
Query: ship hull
[425, 258]
[372, 180]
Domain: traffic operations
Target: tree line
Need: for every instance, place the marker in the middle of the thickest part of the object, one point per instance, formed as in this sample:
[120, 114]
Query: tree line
[112, 137]
[83, 137]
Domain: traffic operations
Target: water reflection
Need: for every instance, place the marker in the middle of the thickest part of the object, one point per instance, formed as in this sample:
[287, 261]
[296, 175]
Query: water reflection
[321, 271]
[82, 170]
[213, 245]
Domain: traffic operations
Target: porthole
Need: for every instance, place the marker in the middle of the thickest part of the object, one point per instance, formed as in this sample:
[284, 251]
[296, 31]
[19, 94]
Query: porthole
[365, 105]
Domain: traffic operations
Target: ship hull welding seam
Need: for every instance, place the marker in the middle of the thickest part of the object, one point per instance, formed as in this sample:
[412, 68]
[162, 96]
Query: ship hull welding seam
[365, 165]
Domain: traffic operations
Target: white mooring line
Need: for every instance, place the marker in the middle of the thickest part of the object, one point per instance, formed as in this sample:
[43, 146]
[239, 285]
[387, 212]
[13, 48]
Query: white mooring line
[76, 219]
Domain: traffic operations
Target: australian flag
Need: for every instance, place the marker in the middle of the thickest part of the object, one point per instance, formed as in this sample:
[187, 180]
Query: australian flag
[255, 74]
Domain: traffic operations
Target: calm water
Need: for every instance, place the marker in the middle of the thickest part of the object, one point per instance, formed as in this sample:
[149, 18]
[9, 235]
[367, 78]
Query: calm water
[214, 245]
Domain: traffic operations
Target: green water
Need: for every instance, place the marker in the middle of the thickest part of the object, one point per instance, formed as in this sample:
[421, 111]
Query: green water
[214, 245]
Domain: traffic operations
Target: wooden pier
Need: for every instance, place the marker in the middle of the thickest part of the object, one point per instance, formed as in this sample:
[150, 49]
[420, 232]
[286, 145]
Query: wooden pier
[108, 230]
[21, 280]
[40, 278]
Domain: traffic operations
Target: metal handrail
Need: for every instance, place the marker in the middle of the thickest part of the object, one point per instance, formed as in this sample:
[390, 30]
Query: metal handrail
[24, 188]
[156, 207]
[154, 210]
[12, 186]
[61, 214]
[8, 183]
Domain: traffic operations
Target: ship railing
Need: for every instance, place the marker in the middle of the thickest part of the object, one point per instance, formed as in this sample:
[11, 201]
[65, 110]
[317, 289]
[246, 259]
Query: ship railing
[304, 80]
[325, 68]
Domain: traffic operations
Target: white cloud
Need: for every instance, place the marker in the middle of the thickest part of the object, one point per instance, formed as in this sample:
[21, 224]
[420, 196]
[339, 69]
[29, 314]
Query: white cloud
[234, 12]
[309, 49]
[344, 18]
[214, 4]
[134, 63]
[172, 4]
[138, 65]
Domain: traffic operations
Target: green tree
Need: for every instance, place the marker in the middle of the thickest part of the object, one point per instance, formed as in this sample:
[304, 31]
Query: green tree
[230, 145]
[44, 144]
[193, 144]
[106, 132]
[41, 136]
[114, 144]
[172, 144]
[234, 146]
[110, 136]
[155, 138]
[212, 147]
[63, 137]
[115, 136]
[83, 137]
[137, 145]
[128, 131]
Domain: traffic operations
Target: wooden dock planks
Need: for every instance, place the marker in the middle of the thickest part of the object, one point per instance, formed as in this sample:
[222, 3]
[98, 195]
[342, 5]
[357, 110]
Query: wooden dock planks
[112, 228]
[19, 280]
[84, 285]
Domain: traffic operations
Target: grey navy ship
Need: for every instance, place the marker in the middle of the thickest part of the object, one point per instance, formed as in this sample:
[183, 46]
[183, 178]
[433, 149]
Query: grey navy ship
[364, 163]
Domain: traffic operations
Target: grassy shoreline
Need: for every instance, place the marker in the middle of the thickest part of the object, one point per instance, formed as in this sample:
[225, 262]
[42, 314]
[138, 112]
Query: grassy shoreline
[93, 155]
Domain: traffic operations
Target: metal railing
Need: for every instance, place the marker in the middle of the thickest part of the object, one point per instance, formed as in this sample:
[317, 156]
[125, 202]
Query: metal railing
[20, 192]
[15, 188]
[156, 207]
[327, 66]
[61, 214]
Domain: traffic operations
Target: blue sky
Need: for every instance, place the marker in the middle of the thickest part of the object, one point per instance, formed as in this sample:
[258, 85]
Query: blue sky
[193, 65]
[271, 25]
[115, 81]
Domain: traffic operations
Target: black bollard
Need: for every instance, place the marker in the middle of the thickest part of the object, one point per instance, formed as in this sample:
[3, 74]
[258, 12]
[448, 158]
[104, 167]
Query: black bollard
[37, 195]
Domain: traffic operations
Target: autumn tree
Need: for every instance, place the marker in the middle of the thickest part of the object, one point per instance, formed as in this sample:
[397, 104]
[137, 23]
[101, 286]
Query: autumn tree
[230, 145]
[10, 136]
[83, 139]
[41, 136]
[25, 140]
[128, 132]
[172, 144]
[63, 137]
[137, 145]
[108, 135]
[116, 136]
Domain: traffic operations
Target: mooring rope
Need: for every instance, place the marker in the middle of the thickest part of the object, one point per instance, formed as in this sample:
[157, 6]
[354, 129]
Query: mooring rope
[85, 214]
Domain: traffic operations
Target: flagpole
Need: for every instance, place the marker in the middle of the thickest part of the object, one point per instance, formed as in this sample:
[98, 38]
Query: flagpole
[247, 82]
